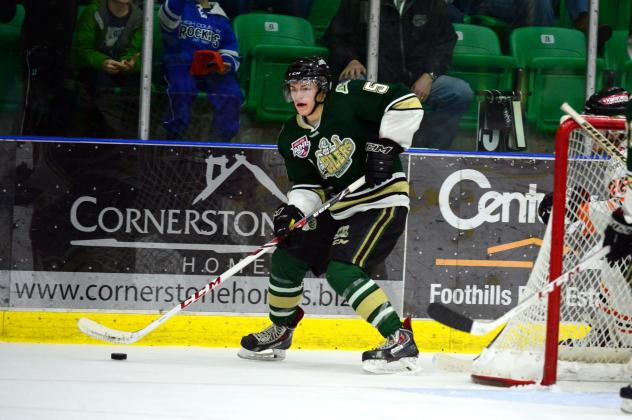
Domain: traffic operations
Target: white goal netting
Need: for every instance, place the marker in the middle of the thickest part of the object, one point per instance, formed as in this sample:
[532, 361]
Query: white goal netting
[595, 307]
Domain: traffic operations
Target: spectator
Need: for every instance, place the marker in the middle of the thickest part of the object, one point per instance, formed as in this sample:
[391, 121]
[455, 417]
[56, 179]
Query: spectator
[578, 11]
[416, 44]
[47, 34]
[200, 54]
[107, 48]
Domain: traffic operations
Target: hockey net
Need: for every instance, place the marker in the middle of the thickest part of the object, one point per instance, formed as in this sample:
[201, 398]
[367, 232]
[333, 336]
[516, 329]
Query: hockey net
[584, 331]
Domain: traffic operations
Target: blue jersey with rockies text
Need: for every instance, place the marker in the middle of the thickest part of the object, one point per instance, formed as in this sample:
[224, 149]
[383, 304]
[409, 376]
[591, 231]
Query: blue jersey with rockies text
[188, 27]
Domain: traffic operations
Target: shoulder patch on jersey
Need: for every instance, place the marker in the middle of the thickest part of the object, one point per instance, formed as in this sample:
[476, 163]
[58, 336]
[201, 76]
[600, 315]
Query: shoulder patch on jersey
[300, 147]
[343, 87]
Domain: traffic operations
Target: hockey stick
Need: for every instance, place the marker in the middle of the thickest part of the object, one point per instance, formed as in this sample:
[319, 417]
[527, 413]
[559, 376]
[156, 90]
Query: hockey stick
[595, 134]
[101, 332]
[452, 319]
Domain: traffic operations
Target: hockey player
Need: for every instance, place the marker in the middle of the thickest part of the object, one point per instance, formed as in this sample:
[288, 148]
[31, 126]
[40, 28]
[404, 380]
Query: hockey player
[358, 128]
[191, 26]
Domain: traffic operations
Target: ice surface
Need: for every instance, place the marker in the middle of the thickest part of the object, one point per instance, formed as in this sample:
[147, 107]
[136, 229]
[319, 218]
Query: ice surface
[82, 382]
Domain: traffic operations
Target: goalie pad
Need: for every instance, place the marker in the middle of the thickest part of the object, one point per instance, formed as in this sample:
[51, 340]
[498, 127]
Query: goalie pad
[615, 306]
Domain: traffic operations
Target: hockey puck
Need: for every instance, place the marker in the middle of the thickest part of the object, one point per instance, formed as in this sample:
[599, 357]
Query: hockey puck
[118, 356]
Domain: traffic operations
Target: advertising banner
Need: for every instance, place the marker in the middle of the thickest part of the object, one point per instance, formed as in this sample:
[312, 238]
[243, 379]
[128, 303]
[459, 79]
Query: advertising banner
[141, 227]
[473, 231]
[97, 226]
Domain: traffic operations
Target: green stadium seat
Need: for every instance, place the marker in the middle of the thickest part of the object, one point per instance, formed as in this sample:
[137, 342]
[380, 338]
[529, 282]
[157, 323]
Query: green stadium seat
[618, 61]
[554, 63]
[321, 14]
[11, 85]
[478, 60]
[267, 44]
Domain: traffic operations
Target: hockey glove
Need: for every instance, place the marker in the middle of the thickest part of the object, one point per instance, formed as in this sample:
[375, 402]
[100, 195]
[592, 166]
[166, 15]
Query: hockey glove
[284, 218]
[618, 235]
[381, 156]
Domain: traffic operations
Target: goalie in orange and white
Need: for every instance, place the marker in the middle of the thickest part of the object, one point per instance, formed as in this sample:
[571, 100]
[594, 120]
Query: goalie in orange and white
[618, 235]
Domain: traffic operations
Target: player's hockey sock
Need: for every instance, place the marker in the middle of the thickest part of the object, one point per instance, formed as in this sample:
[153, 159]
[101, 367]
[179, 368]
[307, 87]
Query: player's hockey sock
[285, 289]
[364, 295]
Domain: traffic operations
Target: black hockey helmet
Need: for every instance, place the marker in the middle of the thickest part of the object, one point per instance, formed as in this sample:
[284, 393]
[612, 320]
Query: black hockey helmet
[608, 101]
[308, 69]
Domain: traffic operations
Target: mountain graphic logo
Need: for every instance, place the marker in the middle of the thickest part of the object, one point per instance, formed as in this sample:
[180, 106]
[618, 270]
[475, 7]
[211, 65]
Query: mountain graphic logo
[213, 182]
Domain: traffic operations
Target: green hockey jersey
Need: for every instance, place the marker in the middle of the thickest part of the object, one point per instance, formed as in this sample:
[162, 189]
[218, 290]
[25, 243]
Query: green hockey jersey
[332, 153]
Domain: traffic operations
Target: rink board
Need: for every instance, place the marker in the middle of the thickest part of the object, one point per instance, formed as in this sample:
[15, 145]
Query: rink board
[226, 331]
[122, 231]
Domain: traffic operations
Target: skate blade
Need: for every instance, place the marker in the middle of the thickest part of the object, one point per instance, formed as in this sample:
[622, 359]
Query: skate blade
[626, 405]
[272, 355]
[405, 365]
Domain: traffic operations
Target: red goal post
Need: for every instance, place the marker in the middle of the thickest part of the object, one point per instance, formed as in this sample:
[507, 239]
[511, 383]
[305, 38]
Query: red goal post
[582, 329]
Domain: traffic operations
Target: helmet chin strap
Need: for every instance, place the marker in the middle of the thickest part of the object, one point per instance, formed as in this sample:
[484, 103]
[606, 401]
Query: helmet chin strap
[316, 103]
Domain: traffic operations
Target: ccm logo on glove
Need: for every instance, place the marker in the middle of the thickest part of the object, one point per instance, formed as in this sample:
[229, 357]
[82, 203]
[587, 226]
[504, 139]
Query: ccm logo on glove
[380, 160]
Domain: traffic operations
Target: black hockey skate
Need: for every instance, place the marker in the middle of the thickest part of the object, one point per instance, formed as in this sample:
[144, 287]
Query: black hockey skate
[271, 343]
[397, 354]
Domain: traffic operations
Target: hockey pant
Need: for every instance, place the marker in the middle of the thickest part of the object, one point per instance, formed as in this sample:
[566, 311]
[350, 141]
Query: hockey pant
[223, 93]
[343, 250]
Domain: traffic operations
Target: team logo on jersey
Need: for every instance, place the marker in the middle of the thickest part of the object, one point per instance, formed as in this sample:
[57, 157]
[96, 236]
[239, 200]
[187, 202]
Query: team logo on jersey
[342, 236]
[190, 30]
[343, 87]
[300, 147]
[334, 156]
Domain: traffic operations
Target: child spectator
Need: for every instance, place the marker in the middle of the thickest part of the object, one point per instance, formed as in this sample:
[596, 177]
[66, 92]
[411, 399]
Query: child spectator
[200, 54]
[107, 49]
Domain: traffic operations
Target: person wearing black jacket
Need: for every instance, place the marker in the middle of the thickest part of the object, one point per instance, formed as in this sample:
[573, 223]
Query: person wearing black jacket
[416, 44]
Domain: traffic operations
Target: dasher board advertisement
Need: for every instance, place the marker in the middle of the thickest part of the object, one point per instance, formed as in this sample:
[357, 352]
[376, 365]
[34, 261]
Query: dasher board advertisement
[139, 227]
[473, 231]
[96, 226]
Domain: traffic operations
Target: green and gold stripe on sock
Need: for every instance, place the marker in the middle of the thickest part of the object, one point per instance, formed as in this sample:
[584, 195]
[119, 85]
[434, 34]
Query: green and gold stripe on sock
[285, 289]
[283, 301]
[371, 303]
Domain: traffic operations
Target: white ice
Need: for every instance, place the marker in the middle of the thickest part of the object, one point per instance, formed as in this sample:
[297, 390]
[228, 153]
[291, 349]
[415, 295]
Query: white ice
[82, 382]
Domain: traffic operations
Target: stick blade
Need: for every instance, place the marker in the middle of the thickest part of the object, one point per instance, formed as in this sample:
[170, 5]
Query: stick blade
[451, 363]
[449, 318]
[103, 333]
